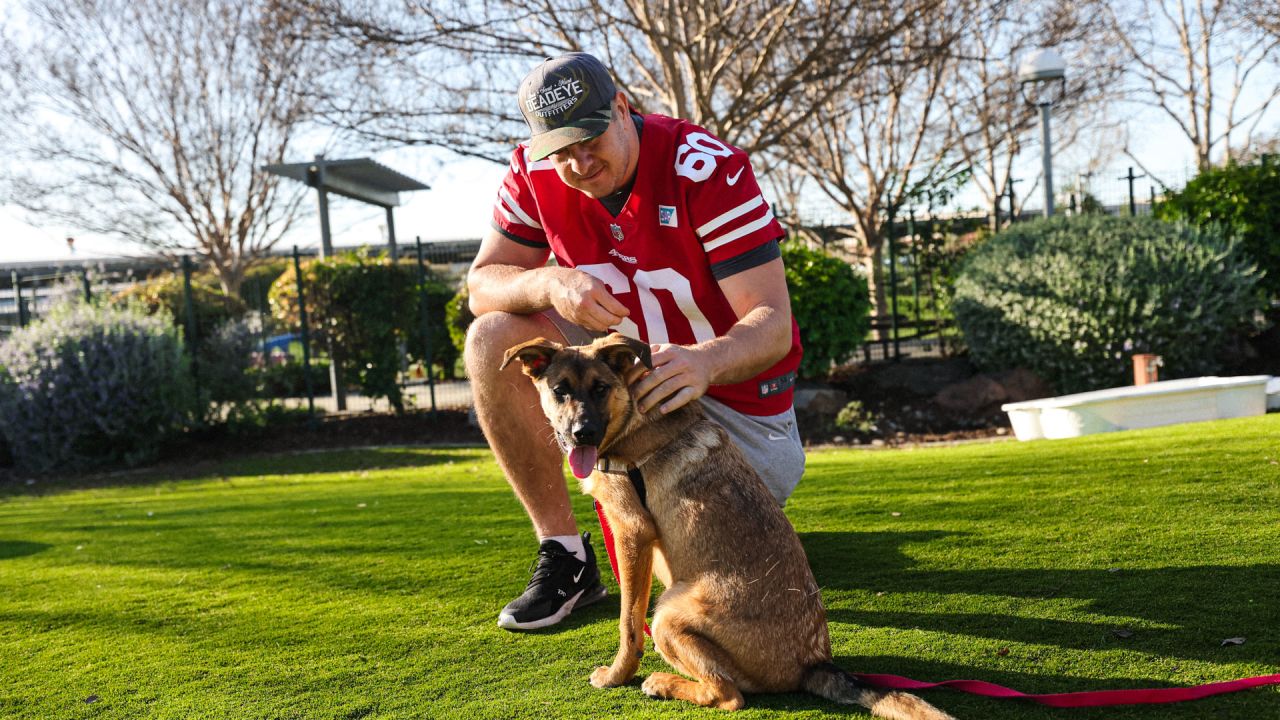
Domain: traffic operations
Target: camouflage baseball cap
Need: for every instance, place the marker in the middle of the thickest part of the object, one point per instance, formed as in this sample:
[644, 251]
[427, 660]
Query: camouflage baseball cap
[566, 100]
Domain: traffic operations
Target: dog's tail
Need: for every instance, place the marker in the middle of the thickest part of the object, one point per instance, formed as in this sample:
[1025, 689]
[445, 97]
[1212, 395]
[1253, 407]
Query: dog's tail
[829, 681]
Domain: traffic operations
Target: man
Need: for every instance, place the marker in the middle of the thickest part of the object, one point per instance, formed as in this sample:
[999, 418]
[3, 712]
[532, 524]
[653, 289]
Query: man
[659, 231]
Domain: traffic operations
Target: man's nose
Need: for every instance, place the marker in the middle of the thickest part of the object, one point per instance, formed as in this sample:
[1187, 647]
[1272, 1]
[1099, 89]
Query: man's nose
[580, 160]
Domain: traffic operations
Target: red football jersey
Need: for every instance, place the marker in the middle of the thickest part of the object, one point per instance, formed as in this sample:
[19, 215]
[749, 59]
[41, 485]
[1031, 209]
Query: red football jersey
[695, 206]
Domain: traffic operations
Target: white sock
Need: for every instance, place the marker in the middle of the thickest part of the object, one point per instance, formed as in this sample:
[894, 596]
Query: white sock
[572, 543]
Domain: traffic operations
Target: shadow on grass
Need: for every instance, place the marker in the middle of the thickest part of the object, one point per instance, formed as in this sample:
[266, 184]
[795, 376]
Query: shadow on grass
[1198, 606]
[284, 464]
[10, 549]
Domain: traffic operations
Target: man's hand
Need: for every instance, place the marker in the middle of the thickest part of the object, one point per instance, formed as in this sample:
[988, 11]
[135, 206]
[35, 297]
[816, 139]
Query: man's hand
[679, 376]
[584, 300]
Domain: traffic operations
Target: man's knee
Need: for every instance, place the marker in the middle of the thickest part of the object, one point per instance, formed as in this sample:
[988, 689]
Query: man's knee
[492, 334]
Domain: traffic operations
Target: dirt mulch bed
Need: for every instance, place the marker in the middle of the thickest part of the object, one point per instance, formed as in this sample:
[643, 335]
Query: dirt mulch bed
[900, 406]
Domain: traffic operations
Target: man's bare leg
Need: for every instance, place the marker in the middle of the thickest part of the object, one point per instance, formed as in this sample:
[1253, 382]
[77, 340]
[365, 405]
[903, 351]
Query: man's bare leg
[512, 419]
[522, 440]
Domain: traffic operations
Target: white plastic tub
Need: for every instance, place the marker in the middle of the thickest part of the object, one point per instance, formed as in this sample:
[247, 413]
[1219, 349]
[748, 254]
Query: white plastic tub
[1139, 406]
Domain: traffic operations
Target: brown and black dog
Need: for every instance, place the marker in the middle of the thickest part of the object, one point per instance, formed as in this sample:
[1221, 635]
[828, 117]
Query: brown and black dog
[742, 612]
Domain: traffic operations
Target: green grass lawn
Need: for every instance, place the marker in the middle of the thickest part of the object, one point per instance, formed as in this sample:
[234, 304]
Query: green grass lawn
[366, 584]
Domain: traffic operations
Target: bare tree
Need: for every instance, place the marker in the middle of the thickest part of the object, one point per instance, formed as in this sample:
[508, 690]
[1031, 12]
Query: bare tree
[151, 120]
[751, 71]
[417, 72]
[1209, 65]
[993, 122]
[887, 135]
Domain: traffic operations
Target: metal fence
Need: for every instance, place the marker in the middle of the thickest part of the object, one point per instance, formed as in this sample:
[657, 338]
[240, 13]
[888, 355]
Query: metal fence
[924, 240]
[286, 363]
[294, 369]
[423, 384]
[28, 293]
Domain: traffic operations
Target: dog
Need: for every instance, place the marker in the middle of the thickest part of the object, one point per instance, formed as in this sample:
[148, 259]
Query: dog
[741, 612]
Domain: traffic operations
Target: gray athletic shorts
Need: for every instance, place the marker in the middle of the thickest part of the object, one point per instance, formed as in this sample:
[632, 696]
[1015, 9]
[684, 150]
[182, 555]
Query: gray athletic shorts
[770, 443]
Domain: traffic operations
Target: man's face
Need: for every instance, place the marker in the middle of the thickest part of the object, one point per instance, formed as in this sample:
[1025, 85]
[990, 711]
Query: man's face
[604, 164]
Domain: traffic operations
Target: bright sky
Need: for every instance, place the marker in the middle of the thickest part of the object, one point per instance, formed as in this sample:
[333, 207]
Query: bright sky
[457, 206]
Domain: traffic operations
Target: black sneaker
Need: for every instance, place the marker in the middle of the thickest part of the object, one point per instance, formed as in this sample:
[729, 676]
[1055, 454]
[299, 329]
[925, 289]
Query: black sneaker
[561, 583]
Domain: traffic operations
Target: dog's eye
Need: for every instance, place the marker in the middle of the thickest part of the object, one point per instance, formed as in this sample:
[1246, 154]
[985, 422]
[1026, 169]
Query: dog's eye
[561, 392]
[600, 389]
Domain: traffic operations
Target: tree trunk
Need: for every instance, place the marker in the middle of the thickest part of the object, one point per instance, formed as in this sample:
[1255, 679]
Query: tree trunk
[230, 278]
[871, 258]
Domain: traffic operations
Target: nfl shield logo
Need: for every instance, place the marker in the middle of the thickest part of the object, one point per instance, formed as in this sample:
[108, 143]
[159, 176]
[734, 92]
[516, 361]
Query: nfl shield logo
[617, 232]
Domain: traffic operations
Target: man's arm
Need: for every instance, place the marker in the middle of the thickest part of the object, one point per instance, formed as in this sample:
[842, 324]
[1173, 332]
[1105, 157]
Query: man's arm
[515, 278]
[760, 338]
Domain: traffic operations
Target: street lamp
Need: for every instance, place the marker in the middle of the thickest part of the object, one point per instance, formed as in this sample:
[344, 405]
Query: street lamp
[1043, 79]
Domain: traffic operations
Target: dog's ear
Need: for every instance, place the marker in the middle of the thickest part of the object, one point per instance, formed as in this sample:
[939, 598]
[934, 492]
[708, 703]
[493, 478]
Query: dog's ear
[620, 352]
[535, 355]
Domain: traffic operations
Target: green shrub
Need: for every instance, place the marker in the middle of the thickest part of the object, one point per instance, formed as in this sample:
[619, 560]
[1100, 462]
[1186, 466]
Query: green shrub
[1074, 298]
[458, 317]
[289, 380]
[369, 307]
[256, 286]
[222, 365]
[854, 417]
[212, 309]
[444, 352]
[1243, 198]
[831, 304]
[256, 418]
[91, 384]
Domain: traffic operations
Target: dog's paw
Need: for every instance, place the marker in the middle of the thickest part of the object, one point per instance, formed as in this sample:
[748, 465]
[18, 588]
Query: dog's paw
[605, 677]
[658, 685]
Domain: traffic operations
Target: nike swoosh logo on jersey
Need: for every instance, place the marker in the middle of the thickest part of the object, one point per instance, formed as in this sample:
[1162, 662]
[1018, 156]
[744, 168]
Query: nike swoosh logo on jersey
[733, 179]
[578, 577]
[777, 437]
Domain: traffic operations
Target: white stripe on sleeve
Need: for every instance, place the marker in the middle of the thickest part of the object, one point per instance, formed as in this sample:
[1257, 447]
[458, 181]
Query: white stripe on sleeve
[520, 215]
[497, 204]
[740, 232]
[737, 212]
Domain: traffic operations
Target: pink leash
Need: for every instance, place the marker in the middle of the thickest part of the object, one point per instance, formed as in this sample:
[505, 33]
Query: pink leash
[1094, 698]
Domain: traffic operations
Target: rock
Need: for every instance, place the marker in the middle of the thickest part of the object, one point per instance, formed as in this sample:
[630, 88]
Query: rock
[1021, 384]
[976, 394]
[816, 409]
[820, 401]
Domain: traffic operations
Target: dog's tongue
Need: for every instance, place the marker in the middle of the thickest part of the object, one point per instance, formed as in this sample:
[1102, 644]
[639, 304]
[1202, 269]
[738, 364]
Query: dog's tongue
[582, 460]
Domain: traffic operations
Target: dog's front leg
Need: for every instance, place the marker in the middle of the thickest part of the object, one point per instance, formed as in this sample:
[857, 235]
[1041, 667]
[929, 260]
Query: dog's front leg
[634, 536]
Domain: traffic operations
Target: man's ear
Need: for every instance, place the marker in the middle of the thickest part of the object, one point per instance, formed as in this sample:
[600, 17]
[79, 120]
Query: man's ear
[620, 352]
[535, 355]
